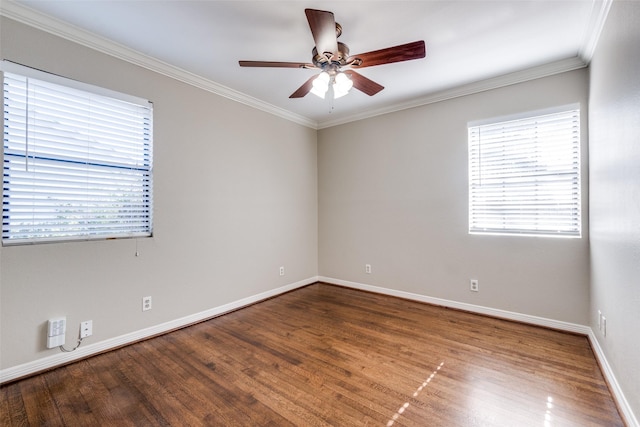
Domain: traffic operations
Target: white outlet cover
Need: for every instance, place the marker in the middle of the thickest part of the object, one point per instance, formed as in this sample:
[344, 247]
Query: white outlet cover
[86, 328]
[599, 320]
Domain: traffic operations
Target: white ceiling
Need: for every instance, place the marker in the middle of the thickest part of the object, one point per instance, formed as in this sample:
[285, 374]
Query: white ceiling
[471, 45]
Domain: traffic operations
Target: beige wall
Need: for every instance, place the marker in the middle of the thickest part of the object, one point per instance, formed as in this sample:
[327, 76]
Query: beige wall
[239, 192]
[235, 198]
[614, 149]
[393, 193]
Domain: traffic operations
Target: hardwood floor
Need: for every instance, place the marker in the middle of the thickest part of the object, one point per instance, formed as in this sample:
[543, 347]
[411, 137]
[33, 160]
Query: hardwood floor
[326, 355]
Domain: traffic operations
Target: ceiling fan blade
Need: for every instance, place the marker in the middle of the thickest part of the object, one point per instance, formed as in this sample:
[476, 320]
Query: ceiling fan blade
[323, 29]
[363, 84]
[304, 89]
[275, 64]
[403, 52]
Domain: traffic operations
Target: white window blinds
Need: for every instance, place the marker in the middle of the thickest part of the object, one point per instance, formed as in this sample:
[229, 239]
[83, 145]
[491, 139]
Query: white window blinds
[77, 164]
[524, 175]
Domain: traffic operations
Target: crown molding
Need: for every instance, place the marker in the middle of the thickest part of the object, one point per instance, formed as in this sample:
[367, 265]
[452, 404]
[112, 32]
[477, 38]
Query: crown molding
[30, 17]
[33, 18]
[599, 12]
[528, 74]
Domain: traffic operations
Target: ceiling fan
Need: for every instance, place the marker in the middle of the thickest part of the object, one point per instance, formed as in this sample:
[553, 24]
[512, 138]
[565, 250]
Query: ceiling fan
[336, 64]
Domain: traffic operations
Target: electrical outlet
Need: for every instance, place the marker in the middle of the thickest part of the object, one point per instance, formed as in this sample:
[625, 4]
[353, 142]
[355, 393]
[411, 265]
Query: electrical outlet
[604, 326]
[86, 328]
[473, 285]
[600, 320]
[282, 271]
[367, 268]
[146, 303]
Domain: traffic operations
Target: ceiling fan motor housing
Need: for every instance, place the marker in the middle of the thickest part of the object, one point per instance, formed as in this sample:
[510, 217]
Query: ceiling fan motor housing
[337, 59]
[332, 56]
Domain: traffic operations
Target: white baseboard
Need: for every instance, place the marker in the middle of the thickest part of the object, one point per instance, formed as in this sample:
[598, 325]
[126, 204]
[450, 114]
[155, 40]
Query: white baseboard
[624, 406]
[50, 362]
[59, 359]
[503, 314]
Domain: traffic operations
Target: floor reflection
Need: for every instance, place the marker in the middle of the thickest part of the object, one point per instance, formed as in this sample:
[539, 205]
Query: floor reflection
[415, 394]
[547, 415]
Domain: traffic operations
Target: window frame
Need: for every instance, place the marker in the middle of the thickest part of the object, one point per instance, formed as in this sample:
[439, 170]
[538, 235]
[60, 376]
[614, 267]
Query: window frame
[123, 210]
[570, 177]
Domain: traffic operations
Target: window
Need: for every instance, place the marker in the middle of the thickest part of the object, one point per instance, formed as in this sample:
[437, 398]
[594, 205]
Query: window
[524, 175]
[77, 160]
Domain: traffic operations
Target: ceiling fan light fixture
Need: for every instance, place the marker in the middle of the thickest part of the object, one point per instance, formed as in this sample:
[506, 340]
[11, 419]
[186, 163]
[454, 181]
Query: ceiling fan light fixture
[330, 56]
[321, 84]
[342, 85]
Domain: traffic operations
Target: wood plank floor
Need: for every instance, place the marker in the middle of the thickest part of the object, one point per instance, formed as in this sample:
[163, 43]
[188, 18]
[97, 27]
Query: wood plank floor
[326, 355]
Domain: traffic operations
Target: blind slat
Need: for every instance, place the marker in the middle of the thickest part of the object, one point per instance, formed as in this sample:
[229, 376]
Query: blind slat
[77, 164]
[524, 176]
